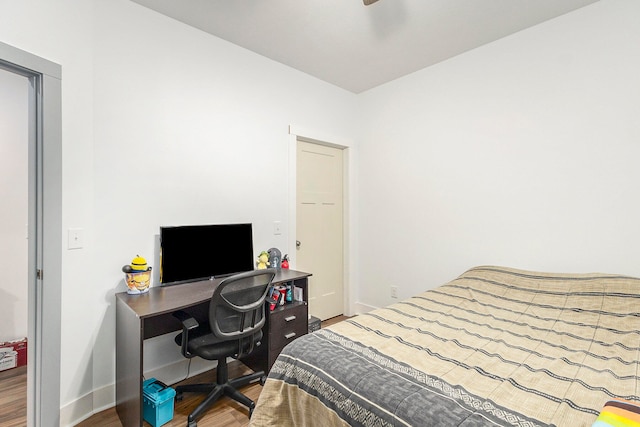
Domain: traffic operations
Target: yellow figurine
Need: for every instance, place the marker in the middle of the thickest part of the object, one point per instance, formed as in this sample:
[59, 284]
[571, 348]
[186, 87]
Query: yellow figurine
[139, 264]
[263, 260]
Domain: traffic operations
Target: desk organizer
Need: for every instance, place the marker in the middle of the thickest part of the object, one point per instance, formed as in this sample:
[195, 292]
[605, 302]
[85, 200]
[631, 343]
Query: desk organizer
[157, 402]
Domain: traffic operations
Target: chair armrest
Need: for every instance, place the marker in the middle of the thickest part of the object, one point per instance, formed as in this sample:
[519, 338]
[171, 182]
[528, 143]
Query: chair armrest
[188, 324]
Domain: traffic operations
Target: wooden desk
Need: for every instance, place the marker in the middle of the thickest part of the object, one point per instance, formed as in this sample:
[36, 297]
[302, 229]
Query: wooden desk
[149, 315]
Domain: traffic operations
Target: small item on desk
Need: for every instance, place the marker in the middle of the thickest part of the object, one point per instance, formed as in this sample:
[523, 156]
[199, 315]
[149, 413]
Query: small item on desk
[139, 264]
[285, 261]
[274, 295]
[137, 276]
[283, 294]
[289, 292]
[263, 260]
[275, 256]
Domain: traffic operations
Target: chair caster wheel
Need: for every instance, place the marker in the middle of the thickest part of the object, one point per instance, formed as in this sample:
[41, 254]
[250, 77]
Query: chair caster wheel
[251, 408]
[192, 424]
[263, 379]
[179, 397]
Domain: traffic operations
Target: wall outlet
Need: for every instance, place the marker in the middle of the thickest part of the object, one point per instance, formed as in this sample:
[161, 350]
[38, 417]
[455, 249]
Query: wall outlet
[277, 228]
[394, 292]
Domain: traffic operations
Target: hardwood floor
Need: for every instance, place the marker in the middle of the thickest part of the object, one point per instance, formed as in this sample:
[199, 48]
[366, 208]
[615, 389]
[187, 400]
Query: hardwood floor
[225, 412]
[13, 397]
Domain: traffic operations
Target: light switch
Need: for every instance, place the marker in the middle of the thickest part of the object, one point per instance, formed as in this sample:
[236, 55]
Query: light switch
[75, 238]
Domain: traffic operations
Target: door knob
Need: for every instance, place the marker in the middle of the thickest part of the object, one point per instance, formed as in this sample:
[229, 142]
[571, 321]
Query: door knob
[297, 244]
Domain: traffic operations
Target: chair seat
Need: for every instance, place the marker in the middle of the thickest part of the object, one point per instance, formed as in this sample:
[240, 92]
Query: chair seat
[204, 344]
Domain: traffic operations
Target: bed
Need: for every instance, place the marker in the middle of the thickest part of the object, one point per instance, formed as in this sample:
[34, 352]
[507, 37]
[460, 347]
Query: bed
[495, 346]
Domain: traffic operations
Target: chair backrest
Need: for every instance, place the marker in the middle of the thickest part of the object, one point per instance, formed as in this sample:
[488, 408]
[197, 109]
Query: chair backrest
[237, 308]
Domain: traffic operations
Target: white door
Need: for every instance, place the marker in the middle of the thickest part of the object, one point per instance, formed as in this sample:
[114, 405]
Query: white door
[319, 226]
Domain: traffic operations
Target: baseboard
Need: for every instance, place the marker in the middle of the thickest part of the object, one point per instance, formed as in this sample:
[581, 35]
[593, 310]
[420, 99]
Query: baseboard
[104, 398]
[361, 308]
[77, 411]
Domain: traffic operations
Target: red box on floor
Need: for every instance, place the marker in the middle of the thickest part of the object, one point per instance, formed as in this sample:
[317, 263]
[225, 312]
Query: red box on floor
[13, 354]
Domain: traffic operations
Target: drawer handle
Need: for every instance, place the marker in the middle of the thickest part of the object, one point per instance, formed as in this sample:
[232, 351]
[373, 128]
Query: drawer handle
[290, 318]
[290, 335]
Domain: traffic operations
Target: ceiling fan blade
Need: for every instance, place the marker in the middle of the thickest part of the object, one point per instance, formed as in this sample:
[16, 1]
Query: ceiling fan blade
[368, 2]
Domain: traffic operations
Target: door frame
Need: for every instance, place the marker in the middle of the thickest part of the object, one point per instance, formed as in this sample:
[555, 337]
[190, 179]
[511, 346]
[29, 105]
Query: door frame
[348, 203]
[45, 232]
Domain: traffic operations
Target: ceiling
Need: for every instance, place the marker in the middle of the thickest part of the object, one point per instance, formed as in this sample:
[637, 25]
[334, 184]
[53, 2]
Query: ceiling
[358, 47]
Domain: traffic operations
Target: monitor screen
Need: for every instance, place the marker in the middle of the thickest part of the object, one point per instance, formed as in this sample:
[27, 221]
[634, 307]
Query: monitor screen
[198, 252]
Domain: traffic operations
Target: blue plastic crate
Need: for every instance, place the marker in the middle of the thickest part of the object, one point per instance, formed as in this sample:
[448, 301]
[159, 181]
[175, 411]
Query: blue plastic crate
[157, 406]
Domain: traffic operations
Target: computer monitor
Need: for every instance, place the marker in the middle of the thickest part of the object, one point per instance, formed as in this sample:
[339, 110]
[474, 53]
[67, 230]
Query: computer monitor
[190, 253]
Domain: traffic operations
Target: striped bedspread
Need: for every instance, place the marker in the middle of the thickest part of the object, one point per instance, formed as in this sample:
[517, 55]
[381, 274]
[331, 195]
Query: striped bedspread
[496, 346]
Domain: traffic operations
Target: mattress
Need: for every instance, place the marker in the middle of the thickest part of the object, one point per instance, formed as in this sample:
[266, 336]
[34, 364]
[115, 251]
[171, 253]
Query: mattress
[495, 346]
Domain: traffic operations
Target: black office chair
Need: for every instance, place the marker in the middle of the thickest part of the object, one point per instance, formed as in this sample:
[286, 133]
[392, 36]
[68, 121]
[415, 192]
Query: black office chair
[236, 317]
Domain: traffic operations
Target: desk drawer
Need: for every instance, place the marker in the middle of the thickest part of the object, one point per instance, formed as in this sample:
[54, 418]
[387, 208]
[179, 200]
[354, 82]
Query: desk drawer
[287, 325]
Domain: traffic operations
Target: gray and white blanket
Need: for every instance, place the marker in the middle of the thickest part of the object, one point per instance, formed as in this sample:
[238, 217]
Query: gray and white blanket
[496, 346]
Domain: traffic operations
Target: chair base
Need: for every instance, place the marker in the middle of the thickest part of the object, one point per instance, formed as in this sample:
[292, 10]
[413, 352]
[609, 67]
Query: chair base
[215, 391]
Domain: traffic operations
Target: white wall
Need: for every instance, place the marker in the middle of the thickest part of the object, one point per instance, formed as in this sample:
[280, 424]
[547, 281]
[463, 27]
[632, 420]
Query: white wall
[162, 124]
[520, 153]
[14, 144]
